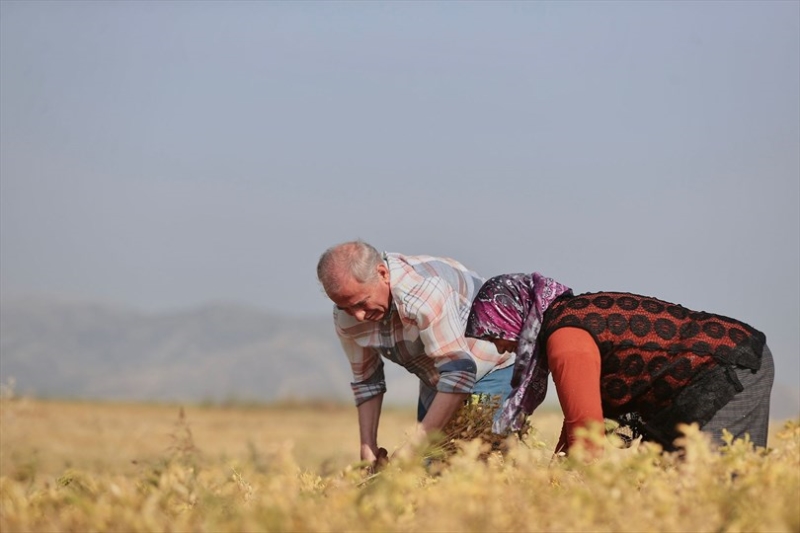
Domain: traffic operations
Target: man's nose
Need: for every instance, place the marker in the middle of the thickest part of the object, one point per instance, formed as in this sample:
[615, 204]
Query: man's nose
[360, 315]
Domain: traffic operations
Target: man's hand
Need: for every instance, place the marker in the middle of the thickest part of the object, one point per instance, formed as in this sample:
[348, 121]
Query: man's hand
[369, 453]
[414, 439]
[382, 460]
[376, 459]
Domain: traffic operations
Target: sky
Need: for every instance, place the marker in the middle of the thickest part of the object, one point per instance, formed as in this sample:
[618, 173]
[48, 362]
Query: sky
[163, 155]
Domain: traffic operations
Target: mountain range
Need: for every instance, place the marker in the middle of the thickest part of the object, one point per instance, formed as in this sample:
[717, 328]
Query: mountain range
[217, 353]
[221, 352]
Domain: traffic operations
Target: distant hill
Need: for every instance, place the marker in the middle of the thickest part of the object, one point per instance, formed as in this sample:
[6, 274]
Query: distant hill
[216, 353]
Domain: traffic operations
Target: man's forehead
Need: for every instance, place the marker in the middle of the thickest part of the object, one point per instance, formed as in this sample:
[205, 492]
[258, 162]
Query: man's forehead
[350, 292]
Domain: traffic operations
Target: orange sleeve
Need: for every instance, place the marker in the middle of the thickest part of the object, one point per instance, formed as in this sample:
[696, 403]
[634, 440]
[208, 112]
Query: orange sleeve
[574, 360]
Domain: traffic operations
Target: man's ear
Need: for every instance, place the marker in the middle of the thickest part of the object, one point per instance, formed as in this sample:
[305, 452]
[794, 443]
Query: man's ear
[383, 272]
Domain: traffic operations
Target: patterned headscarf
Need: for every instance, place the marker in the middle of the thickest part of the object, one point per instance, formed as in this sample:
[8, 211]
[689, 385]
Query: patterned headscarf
[511, 306]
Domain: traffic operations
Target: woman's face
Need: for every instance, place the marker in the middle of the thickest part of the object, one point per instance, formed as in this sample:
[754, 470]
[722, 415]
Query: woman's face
[505, 345]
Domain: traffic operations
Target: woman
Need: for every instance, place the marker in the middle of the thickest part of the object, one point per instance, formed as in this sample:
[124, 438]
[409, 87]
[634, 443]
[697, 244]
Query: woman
[649, 363]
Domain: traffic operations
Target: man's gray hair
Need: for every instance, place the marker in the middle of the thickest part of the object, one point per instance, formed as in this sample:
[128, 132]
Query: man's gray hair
[354, 258]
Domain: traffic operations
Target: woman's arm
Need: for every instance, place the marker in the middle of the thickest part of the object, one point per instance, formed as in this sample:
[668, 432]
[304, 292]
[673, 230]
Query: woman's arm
[574, 360]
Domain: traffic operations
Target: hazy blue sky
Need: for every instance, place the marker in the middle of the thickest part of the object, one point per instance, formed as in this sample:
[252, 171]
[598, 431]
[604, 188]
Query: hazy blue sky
[166, 154]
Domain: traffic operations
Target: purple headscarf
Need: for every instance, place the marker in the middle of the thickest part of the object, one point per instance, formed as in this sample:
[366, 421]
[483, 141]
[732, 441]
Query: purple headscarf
[511, 306]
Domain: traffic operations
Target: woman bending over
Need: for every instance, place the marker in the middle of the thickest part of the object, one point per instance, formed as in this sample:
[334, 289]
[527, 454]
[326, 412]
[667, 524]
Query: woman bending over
[637, 359]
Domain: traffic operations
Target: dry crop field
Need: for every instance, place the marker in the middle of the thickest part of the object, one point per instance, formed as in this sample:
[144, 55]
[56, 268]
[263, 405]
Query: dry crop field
[71, 466]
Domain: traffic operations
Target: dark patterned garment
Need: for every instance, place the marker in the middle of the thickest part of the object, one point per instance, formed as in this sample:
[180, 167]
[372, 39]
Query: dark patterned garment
[660, 361]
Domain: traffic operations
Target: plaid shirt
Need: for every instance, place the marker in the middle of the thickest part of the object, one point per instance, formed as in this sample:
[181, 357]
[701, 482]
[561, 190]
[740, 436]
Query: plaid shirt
[424, 331]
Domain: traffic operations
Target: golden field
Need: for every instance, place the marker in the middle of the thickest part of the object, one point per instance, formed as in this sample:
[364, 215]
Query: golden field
[72, 466]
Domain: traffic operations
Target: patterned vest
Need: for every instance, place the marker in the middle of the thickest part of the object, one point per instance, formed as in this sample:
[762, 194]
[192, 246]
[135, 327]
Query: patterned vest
[661, 362]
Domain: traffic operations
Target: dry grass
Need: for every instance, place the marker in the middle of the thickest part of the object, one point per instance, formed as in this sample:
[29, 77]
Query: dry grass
[71, 466]
[51, 436]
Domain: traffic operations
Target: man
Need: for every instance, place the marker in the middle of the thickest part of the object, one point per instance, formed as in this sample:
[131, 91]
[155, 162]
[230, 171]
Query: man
[411, 310]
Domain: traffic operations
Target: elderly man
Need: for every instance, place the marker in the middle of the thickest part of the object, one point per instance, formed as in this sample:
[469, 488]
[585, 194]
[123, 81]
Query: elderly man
[411, 310]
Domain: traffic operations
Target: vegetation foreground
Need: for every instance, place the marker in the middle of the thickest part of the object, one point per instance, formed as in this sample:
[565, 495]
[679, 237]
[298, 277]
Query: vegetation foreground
[88, 467]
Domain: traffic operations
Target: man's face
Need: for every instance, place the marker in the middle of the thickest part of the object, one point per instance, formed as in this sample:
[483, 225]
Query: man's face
[365, 301]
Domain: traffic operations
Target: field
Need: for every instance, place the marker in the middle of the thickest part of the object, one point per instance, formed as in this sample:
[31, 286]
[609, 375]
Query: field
[71, 466]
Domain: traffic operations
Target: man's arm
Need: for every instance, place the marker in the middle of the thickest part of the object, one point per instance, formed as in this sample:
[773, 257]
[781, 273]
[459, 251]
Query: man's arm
[442, 334]
[368, 387]
[369, 414]
[442, 409]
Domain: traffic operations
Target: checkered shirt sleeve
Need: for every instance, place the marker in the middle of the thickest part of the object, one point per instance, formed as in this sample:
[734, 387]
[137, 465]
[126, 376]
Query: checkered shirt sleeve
[367, 367]
[433, 305]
